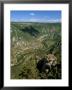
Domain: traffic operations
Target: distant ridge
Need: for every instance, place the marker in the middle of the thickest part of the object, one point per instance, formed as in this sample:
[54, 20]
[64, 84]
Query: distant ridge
[34, 22]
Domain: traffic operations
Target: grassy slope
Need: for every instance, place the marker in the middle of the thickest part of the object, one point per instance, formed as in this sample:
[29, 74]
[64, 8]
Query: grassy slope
[30, 40]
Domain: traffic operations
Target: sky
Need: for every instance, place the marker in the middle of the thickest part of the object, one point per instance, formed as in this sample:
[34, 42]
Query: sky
[35, 16]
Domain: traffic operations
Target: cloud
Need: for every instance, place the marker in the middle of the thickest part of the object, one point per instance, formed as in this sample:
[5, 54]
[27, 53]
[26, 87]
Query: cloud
[54, 20]
[32, 14]
[34, 20]
[45, 20]
[57, 20]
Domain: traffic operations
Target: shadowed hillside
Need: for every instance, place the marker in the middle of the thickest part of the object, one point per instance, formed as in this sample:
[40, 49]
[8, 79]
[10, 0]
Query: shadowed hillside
[31, 30]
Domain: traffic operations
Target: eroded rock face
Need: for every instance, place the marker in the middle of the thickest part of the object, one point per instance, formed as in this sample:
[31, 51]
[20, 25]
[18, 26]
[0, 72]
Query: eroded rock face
[52, 60]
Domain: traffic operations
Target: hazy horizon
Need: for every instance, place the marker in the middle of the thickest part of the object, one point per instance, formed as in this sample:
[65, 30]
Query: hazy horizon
[33, 22]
